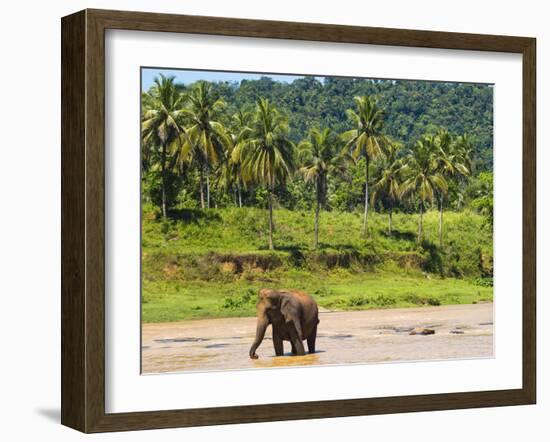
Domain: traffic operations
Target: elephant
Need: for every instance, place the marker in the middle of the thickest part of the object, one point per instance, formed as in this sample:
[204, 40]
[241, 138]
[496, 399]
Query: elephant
[294, 316]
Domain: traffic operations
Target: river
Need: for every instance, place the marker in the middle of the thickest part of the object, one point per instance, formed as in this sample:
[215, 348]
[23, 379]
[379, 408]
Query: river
[371, 336]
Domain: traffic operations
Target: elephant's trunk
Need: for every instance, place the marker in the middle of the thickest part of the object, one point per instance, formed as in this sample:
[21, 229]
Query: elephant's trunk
[260, 332]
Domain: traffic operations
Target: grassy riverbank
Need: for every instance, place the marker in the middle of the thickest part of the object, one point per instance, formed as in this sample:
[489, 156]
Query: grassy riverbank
[201, 264]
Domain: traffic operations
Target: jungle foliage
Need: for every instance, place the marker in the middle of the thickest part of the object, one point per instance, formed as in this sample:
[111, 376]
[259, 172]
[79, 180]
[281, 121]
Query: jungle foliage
[273, 180]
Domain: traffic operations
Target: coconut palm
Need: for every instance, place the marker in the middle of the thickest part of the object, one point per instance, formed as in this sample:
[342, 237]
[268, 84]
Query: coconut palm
[241, 132]
[319, 158]
[452, 161]
[206, 141]
[266, 153]
[423, 177]
[366, 140]
[162, 123]
[463, 146]
[229, 175]
[387, 188]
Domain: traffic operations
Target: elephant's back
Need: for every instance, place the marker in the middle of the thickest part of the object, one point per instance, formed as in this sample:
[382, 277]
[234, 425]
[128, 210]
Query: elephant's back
[311, 311]
[303, 297]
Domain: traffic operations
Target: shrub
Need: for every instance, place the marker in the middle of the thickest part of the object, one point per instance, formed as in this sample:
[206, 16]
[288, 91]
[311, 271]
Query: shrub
[322, 291]
[384, 300]
[357, 301]
[245, 300]
[413, 298]
[483, 282]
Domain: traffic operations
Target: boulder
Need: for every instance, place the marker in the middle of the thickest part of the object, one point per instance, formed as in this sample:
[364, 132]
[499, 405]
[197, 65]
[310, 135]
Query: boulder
[422, 331]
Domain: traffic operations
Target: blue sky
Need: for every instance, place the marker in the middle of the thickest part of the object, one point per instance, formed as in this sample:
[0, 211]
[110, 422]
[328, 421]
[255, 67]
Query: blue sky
[190, 76]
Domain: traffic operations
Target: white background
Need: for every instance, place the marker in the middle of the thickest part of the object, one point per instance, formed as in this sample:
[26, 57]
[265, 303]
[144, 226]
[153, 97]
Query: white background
[29, 233]
[128, 391]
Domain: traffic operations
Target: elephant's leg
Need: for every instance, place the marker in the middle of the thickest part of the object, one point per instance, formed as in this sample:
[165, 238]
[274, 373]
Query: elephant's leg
[300, 350]
[296, 339]
[311, 340]
[293, 347]
[278, 343]
[298, 328]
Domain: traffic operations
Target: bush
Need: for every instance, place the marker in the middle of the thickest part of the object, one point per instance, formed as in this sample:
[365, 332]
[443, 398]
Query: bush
[483, 282]
[384, 300]
[357, 301]
[246, 300]
[322, 291]
[413, 298]
[434, 301]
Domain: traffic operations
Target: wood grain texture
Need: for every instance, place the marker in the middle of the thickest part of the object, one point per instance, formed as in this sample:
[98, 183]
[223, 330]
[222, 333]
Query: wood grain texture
[73, 252]
[83, 220]
[144, 21]
[95, 221]
[529, 220]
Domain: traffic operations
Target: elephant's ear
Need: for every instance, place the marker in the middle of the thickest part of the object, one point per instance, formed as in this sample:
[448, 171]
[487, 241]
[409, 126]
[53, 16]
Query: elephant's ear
[287, 307]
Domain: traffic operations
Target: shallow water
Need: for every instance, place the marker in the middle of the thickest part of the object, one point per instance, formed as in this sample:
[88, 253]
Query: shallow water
[343, 338]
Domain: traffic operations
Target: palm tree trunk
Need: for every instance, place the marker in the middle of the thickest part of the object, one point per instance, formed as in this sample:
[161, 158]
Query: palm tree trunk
[235, 196]
[207, 190]
[320, 194]
[270, 204]
[390, 219]
[441, 221]
[317, 208]
[365, 219]
[420, 221]
[163, 179]
[240, 196]
[201, 185]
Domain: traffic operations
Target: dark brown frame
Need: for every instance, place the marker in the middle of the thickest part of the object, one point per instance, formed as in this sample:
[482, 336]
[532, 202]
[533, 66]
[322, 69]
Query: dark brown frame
[83, 216]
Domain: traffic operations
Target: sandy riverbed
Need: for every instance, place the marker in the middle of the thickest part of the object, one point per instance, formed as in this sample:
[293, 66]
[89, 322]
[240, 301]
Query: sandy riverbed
[461, 331]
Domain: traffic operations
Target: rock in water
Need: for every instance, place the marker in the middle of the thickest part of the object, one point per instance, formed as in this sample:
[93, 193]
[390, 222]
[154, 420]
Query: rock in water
[403, 329]
[422, 331]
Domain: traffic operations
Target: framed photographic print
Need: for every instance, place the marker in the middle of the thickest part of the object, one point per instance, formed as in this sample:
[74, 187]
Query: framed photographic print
[266, 221]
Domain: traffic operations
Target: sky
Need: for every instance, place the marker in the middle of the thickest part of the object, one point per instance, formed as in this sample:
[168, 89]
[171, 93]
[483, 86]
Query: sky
[190, 76]
[187, 76]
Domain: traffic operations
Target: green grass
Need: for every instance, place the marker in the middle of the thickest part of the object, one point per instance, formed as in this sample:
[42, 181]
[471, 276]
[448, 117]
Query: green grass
[212, 263]
[337, 290]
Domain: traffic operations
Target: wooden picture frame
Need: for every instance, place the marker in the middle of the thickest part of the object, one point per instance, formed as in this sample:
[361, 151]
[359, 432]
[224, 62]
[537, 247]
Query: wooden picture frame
[83, 220]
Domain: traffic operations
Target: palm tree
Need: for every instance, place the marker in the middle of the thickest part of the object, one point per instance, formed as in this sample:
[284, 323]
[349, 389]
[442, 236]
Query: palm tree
[366, 139]
[227, 178]
[319, 159]
[463, 145]
[206, 140]
[266, 153]
[162, 123]
[387, 188]
[424, 178]
[241, 132]
[452, 161]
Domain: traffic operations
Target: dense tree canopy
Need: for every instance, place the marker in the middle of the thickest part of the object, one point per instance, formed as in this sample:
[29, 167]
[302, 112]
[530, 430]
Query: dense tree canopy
[411, 108]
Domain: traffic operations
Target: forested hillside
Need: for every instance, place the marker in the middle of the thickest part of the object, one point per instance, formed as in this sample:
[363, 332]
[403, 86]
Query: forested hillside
[411, 108]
